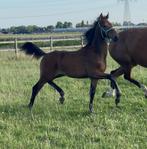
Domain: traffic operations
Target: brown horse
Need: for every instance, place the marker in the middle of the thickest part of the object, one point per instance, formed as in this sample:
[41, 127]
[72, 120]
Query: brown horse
[129, 51]
[88, 62]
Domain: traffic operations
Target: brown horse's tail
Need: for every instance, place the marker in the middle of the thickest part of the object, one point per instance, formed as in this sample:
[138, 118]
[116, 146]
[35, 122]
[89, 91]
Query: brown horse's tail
[31, 49]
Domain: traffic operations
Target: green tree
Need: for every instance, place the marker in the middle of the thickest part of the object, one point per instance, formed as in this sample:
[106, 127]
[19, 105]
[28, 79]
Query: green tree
[32, 29]
[49, 28]
[67, 25]
[4, 31]
[59, 24]
[116, 24]
[82, 23]
[19, 30]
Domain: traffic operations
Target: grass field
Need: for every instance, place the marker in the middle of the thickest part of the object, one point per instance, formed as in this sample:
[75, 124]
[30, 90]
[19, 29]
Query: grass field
[69, 126]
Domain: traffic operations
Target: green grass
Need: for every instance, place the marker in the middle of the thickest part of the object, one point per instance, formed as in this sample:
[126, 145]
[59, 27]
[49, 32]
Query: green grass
[68, 126]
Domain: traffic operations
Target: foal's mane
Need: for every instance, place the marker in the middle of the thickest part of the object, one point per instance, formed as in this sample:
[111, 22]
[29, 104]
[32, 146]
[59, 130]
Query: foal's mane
[89, 35]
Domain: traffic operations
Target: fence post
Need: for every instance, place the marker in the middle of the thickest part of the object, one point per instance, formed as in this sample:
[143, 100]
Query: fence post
[82, 44]
[16, 47]
[51, 43]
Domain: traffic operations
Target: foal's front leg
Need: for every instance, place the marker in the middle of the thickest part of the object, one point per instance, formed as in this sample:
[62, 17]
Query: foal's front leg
[93, 86]
[100, 75]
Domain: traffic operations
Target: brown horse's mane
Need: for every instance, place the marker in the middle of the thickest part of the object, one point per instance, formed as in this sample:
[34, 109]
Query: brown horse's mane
[89, 35]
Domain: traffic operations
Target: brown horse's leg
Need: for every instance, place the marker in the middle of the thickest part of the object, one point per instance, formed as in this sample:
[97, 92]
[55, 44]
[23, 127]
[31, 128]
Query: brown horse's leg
[127, 76]
[92, 93]
[115, 74]
[60, 91]
[36, 88]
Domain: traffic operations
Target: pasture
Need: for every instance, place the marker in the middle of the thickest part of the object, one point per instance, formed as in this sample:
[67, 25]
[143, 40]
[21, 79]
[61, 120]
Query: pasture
[56, 126]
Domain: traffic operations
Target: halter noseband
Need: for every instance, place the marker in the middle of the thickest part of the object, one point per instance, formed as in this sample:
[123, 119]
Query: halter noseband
[104, 31]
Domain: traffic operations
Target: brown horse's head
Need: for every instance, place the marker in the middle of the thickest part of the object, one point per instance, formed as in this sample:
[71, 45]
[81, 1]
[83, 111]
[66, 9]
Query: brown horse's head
[106, 28]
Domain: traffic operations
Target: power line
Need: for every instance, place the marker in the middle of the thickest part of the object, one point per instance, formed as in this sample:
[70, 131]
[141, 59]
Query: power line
[53, 14]
[48, 4]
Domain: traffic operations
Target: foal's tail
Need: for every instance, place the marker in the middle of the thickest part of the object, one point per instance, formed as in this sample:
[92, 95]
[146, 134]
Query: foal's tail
[31, 49]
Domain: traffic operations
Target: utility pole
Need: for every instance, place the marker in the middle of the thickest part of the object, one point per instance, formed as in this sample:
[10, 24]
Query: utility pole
[127, 13]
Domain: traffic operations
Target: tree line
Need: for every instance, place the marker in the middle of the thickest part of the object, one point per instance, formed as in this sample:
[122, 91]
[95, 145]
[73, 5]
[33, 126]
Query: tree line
[37, 29]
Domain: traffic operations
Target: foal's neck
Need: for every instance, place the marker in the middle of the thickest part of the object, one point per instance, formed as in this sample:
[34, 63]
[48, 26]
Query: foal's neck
[99, 44]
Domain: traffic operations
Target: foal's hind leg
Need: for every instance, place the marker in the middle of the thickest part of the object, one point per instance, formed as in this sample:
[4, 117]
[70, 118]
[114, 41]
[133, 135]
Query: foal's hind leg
[92, 93]
[60, 91]
[36, 88]
[115, 74]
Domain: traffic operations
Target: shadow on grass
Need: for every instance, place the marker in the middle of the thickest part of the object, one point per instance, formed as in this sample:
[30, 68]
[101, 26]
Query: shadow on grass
[55, 111]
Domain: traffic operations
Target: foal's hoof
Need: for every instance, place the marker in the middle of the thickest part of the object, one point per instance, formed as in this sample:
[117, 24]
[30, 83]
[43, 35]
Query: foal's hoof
[30, 106]
[145, 96]
[91, 108]
[61, 99]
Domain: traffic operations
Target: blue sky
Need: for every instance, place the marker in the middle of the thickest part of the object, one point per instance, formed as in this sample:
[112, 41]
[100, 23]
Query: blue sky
[48, 12]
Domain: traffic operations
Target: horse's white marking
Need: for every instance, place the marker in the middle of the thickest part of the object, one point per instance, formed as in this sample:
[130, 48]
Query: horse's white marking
[110, 93]
[144, 88]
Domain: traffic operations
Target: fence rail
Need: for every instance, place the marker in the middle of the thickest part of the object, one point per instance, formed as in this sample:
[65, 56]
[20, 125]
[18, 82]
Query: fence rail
[50, 39]
[14, 42]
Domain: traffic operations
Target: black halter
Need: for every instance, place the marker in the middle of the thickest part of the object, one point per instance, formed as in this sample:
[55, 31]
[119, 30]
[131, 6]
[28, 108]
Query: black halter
[104, 32]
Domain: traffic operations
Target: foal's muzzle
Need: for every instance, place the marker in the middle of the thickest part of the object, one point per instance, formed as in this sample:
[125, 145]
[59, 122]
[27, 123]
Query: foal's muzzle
[113, 35]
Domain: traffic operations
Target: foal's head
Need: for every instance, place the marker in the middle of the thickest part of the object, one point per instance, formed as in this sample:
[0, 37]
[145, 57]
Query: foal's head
[101, 28]
[106, 29]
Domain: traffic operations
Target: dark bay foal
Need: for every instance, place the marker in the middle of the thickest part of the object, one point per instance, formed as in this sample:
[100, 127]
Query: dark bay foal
[88, 62]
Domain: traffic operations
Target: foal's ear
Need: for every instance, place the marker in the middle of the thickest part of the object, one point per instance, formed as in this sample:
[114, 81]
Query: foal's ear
[107, 16]
[100, 17]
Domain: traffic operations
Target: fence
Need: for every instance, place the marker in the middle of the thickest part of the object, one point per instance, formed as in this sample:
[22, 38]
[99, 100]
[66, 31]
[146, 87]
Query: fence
[14, 42]
[52, 39]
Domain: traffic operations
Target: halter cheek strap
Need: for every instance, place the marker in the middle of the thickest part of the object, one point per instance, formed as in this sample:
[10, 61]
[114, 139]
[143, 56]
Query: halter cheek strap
[104, 31]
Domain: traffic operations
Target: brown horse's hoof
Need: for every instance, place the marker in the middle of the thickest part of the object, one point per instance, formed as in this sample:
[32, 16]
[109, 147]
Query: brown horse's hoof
[61, 99]
[109, 93]
[145, 96]
[104, 95]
